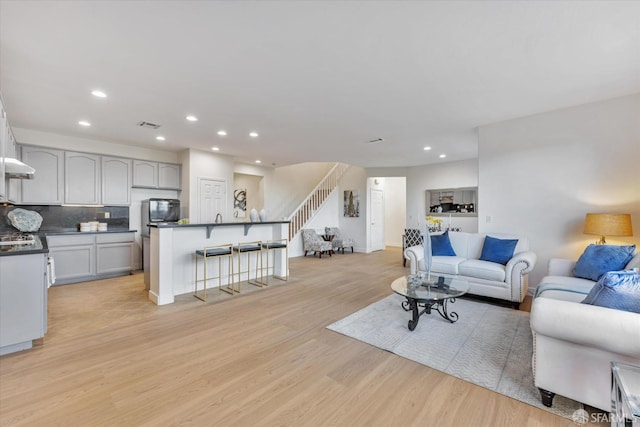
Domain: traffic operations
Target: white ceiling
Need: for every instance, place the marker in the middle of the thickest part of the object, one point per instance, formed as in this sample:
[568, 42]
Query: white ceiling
[316, 79]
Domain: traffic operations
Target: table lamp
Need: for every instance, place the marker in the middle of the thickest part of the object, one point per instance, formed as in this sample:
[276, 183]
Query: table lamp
[607, 225]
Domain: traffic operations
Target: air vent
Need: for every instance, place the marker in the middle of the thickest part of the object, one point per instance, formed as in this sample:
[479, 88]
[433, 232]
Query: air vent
[148, 125]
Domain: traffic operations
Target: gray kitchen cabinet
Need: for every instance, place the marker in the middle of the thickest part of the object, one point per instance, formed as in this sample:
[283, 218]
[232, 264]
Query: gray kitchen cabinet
[74, 257]
[114, 253]
[145, 174]
[47, 186]
[116, 181]
[90, 256]
[23, 301]
[3, 137]
[82, 183]
[168, 176]
[156, 175]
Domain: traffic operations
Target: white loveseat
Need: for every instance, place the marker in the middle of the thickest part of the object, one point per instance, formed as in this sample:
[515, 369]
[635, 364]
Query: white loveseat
[574, 344]
[507, 282]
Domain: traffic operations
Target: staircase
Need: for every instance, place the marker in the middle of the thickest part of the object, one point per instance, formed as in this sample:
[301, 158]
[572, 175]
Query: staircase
[307, 209]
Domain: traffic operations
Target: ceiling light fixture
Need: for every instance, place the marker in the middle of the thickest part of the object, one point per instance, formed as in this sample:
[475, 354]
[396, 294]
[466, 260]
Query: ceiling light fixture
[253, 134]
[192, 118]
[160, 138]
[427, 148]
[215, 149]
[442, 156]
[258, 161]
[84, 123]
[222, 133]
[98, 93]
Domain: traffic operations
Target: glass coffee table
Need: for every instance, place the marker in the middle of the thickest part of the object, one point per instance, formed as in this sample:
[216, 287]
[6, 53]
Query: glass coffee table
[426, 293]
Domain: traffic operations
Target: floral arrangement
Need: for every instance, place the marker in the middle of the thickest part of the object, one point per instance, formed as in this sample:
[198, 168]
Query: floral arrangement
[434, 224]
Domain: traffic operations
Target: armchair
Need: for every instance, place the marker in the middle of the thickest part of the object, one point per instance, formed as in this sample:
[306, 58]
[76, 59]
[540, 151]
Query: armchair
[311, 241]
[411, 237]
[340, 241]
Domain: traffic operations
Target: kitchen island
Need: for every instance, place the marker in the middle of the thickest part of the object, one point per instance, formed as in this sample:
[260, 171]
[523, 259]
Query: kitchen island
[172, 247]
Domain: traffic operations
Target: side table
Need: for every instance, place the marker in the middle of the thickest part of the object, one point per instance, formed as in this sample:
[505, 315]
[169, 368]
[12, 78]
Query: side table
[625, 394]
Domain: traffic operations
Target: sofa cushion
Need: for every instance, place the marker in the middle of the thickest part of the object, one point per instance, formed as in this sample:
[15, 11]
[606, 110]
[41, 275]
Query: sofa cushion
[441, 245]
[482, 270]
[446, 264]
[565, 288]
[498, 250]
[599, 259]
[617, 289]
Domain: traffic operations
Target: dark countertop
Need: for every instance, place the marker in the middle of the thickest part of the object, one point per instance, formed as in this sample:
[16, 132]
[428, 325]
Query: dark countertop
[211, 224]
[76, 232]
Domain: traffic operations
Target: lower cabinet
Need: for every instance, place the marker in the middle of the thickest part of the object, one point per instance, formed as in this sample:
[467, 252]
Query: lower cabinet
[23, 301]
[83, 257]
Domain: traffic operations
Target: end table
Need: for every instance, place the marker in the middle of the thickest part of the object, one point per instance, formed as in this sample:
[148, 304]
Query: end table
[625, 394]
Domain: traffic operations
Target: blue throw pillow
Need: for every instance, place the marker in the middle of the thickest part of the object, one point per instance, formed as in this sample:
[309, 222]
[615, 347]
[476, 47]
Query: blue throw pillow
[617, 289]
[441, 245]
[599, 259]
[498, 250]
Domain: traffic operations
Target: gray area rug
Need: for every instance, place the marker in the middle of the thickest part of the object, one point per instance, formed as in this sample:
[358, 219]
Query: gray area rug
[490, 346]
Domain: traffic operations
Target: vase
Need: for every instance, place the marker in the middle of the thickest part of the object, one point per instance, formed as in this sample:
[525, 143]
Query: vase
[263, 215]
[253, 215]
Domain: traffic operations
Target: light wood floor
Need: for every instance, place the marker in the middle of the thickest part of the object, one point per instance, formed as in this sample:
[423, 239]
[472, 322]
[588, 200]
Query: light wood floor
[264, 358]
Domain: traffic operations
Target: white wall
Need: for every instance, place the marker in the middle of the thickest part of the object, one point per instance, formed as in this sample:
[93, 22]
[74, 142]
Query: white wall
[203, 164]
[540, 175]
[255, 195]
[395, 209]
[87, 145]
[443, 175]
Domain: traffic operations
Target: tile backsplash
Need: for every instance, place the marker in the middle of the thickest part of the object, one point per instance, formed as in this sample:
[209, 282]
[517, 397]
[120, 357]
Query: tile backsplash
[68, 218]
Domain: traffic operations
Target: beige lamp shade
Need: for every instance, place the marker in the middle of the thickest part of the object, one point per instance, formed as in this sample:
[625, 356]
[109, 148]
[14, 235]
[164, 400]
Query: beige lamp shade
[608, 225]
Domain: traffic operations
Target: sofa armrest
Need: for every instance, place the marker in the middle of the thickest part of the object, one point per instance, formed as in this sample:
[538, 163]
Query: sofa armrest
[516, 272]
[414, 254]
[561, 267]
[587, 325]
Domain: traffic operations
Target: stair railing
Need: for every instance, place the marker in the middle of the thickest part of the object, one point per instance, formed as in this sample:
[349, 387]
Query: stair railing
[316, 198]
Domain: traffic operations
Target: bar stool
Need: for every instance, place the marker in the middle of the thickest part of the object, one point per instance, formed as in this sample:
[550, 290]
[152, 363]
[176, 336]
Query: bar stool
[217, 251]
[273, 245]
[248, 248]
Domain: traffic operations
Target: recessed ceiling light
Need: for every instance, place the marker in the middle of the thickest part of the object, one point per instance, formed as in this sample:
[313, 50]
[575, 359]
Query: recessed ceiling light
[215, 148]
[442, 156]
[98, 93]
[222, 133]
[258, 161]
[253, 134]
[160, 138]
[427, 148]
[192, 118]
[84, 123]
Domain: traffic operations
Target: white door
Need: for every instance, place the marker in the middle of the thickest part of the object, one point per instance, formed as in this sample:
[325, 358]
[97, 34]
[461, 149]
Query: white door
[212, 199]
[377, 220]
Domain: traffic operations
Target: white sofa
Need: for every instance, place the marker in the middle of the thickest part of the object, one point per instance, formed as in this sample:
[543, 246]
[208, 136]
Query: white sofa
[574, 344]
[507, 282]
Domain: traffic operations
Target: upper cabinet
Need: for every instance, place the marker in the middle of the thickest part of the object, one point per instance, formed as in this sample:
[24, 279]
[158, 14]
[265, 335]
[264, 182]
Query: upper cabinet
[169, 176]
[145, 174]
[47, 186]
[116, 181]
[82, 178]
[156, 175]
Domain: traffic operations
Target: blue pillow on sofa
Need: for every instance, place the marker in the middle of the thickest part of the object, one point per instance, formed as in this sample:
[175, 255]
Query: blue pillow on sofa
[617, 289]
[599, 259]
[441, 245]
[498, 250]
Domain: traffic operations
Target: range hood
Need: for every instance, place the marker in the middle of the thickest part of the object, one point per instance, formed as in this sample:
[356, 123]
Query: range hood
[14, 168]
